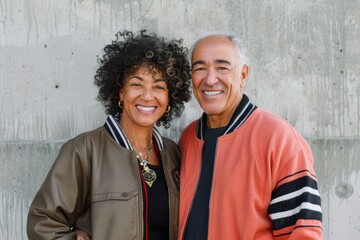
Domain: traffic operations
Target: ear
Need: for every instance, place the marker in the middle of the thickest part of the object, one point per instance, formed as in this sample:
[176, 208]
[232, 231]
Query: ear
[244, 75]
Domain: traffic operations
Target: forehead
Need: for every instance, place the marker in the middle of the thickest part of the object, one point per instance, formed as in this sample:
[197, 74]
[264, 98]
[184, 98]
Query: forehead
[148, 69]
[213, 48]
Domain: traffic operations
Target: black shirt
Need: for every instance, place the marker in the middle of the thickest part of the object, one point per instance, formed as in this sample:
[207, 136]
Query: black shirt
[158, 218]
[197, 225]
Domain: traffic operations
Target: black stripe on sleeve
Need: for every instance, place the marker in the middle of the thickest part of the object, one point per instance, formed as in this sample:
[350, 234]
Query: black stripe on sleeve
[292, 203]
[291, 220]
[298, 199]
[293, 186]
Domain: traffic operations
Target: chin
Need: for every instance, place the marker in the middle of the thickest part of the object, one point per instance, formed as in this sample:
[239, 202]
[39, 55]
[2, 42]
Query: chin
[146, 124]
[211, 111]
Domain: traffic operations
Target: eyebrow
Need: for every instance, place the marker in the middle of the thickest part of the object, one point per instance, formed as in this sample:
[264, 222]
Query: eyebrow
[160, 80]
[221, 61]
[135, 76]
[142, 79]
[198, 62]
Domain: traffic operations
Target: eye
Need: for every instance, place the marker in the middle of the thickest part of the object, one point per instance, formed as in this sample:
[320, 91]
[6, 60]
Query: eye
[199, 69]
[160, 87]
[135, 84]
[223, 70]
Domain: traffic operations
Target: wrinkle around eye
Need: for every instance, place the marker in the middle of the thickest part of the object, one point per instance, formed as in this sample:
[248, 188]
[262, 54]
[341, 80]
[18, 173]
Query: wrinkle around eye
[223, 70]
[199, 70]
[160, 88]
[137, 85]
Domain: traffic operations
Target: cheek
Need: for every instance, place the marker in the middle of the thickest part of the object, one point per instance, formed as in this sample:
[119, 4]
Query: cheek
[129, 96]
[196, 82]
[166, 101]
[233, 76]
[163, 99]
[234, 80]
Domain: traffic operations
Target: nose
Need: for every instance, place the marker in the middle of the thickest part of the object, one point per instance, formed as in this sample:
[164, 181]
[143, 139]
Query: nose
[147, 94]
[211, 77]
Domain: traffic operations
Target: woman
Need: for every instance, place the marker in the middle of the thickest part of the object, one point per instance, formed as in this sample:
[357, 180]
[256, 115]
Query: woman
[121, 181]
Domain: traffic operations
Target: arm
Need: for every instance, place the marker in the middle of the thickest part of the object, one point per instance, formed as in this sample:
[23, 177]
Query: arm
[61, 198]
[295, 207]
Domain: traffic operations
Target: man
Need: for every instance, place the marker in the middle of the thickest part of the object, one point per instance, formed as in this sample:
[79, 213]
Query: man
[245, 173]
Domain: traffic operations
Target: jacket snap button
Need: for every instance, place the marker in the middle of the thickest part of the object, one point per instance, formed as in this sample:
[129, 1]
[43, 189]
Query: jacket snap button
[124, 194]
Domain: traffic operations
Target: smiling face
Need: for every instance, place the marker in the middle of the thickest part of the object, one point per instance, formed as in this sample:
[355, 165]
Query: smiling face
[218, 78]
[145, 97]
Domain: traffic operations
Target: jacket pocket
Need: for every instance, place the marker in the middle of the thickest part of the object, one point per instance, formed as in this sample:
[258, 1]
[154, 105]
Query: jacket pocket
[116, 215]
[113, 196]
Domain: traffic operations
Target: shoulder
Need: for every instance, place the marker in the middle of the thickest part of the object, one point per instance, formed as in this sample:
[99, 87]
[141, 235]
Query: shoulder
[271, 123]
[168, 143]
[89, 140]
[261, 115]
[80, 149]
[98, 134]
[188, 135]
[171, 153]
[272, 127]
[189, 129]
[93, 134]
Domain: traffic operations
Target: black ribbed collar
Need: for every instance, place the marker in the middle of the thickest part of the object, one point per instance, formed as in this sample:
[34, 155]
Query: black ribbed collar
[114, 129]
[242, 112]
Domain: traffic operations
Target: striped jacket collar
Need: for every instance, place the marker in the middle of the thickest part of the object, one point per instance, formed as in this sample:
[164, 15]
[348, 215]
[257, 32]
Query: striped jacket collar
[242, 112]
[114, 129]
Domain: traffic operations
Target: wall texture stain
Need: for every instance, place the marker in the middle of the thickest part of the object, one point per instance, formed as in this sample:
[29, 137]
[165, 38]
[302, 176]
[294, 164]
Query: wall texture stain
[24, 165]
[305, 58]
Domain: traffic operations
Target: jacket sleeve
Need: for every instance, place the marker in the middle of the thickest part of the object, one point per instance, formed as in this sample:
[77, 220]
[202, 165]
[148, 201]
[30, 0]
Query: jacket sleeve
[61, 198]
[295, 207]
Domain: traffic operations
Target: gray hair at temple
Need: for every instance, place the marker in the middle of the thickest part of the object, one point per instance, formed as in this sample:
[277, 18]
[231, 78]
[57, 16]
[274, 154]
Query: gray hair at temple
[243, 52]
[237, 42]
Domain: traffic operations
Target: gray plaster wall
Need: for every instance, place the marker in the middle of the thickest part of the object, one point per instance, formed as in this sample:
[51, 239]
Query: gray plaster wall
[305, 58]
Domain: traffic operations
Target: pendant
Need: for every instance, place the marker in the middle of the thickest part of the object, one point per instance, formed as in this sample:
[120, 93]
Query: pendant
[149, 175]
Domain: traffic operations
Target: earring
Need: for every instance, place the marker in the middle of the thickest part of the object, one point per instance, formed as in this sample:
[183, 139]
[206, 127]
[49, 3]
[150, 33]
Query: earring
[168, 109]
[121, 104]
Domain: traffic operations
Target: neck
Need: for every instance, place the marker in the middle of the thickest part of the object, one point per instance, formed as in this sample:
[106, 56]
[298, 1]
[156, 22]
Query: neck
[223, 119]
[139, 137]
[217, 121]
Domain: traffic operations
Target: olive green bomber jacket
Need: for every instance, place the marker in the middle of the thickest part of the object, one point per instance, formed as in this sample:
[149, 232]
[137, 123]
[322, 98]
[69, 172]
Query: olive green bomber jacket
[95, 185]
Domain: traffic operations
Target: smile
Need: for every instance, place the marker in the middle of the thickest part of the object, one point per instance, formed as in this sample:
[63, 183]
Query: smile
[212, 93]
[144, 108]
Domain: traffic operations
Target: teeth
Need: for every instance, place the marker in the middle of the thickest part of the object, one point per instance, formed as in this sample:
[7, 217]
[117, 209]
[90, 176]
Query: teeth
[146, 108]
[211, 93]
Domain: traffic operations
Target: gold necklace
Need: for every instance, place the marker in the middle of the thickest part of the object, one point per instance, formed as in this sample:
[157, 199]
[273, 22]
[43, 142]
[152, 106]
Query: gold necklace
[149, 175]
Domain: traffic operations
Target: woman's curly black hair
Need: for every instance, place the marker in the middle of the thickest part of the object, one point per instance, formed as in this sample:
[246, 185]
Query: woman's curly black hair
[128, 53]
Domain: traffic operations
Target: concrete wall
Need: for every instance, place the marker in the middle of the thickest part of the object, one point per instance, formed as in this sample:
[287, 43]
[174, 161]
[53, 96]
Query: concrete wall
[305, 58]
